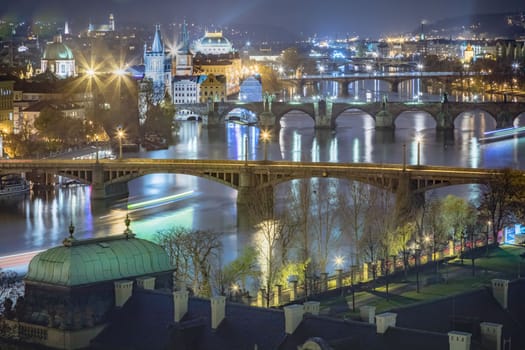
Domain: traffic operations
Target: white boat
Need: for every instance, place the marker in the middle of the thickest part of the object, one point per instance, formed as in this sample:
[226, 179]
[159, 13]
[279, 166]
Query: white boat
[13, 184]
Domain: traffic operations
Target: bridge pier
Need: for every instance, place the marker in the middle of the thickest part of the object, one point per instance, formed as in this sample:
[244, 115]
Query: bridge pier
[267, 120]
[342, 87]
[323, 112]
[407, 200]
[444, 120]
[504, 120]
[384, 120]
[254, 203]
[102, 190]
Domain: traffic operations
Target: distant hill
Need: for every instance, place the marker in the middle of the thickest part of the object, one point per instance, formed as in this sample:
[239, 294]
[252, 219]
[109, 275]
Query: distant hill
[502, 25]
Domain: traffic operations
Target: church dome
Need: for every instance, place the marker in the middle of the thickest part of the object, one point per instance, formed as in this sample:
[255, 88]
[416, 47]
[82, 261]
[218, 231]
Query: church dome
[58, 51]
[97, 260]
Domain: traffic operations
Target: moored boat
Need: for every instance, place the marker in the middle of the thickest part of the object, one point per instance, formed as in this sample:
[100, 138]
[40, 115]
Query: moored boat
[12, 184]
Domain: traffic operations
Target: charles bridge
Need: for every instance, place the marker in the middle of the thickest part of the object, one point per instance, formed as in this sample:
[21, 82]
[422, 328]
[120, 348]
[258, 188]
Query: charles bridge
[324, 113]
[251, 179]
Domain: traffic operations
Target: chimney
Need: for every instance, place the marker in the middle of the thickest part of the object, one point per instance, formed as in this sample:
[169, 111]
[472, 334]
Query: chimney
[293, 315]
[180, 304]
[458, 340]
[385, 320]
[311, 307]
[146, 282]
[500, 291]
[218, 310]
[491, 335]
[123, 290]
[367, 313]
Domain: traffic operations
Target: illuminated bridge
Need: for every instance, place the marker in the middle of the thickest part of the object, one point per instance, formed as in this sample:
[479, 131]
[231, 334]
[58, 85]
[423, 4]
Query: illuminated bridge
[109, 178]
[325, 113]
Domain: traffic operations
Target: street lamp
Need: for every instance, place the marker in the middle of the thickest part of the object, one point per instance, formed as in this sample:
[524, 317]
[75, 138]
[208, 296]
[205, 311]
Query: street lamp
[265, 137]
[418, 140]
[96, 146]
[404, 157]
[120, 135]
[417, 253]
[339, 261]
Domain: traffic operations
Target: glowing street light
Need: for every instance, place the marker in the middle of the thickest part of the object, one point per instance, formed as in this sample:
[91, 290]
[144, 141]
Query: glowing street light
[339, 261]
[265, 137]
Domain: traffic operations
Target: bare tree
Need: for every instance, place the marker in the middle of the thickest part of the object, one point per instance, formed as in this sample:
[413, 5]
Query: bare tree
[353, 203]
[192, 253]
[501, 200]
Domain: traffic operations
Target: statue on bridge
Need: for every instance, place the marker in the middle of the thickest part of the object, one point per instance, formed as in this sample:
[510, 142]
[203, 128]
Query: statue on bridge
[268, 98]
[385, 101]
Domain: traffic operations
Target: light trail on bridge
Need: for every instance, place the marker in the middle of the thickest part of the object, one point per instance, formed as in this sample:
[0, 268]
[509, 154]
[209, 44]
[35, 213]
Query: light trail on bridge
[151, 203]
[17, 260]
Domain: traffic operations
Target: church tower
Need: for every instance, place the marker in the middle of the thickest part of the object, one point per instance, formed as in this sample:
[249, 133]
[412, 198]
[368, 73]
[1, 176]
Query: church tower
[184, 65]
[157, 66]
[111, 22]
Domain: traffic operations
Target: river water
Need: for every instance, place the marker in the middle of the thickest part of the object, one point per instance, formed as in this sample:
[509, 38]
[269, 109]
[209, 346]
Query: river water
[36, 221]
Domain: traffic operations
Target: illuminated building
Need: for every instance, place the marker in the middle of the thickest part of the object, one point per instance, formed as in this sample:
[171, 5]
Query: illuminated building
[102, 29]
[213, 88]
[58, 59]
[468, 54]
[6, 104]
[251, 90]
[157, 66]
[186, 88]
[215, 55]
[213, 43]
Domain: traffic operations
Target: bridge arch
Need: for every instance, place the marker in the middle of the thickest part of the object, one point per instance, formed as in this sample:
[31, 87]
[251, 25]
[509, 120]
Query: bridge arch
[350, 113]
[417, 114]
[285, 112]
[475, 113]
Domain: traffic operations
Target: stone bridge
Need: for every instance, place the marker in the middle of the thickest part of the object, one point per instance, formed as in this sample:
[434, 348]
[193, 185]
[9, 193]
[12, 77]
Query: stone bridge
[325, 113]
[393, 79]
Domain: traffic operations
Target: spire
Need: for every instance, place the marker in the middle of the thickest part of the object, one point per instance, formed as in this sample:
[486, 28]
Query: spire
[66, 28]
[184, 39]
[157, 41]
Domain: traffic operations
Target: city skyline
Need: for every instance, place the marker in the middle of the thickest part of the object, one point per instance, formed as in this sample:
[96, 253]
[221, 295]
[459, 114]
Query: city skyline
[371, 18]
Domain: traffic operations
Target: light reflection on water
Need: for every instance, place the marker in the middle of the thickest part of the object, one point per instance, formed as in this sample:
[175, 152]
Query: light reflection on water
[40, 221]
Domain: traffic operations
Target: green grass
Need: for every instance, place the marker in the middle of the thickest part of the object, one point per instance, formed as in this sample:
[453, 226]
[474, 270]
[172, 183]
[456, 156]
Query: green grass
[502, 262]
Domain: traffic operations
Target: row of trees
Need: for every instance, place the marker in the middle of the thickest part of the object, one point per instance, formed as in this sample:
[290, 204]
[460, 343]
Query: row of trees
[324, 219]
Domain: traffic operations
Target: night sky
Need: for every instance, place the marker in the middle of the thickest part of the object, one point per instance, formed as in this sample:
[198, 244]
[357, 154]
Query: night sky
[364, 17]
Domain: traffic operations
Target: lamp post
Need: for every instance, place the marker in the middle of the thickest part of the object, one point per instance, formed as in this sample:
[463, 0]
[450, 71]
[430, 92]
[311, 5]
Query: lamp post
[417, 254]
[404, 157]
[265, 137]
[96, 147]
[418, 140]
[339, 261]
[120, 135]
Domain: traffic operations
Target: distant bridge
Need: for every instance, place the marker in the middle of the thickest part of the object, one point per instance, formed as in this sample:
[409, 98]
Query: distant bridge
[393, 79]
[109, 178]
[325, 113]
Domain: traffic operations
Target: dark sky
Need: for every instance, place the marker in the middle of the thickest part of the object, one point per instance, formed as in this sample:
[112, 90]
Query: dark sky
[364, 17]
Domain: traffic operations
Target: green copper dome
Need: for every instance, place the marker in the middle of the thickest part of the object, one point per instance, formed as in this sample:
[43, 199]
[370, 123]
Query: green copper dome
[58, 51]
[97, 260]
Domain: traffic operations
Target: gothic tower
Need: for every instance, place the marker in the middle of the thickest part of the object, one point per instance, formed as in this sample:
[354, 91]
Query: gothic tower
[157, 67]
[184, 65]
